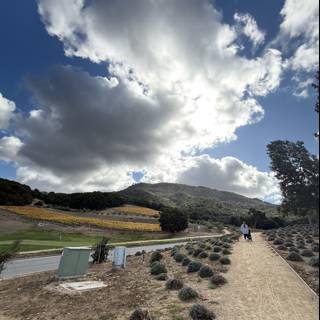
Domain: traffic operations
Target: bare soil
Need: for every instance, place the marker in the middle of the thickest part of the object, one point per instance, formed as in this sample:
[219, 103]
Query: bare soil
[261, 286]
[13, 224]
[32, 297]
[308, 273]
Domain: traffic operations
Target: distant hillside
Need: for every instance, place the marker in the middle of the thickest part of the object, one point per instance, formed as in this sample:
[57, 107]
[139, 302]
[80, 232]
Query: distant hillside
[198, 202]
[194, 200]
[14, 193]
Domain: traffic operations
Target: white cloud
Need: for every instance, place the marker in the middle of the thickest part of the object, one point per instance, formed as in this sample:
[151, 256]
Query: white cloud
[180, 47]
[300, 27]
[247, 25]
[9, 148]
[299, 17]
[7, 109]
[178, 85]
[228, 174]
[106, 179]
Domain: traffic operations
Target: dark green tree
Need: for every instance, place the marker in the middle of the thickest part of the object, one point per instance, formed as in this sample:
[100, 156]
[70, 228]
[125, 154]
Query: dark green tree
[101, 251]
[298, 173]
[172, 220]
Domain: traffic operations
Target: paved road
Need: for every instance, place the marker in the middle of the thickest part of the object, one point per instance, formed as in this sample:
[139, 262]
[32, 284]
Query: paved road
[22, 267]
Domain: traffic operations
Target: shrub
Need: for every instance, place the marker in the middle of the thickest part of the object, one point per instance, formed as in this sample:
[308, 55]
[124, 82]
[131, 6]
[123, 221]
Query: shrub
[194, 266]
[190, 252]
[155, 256]
[226, 252]
[301, 246]
[187, 294]
[314, 262]
[138, 254]
[218, 280]
[179, 257]
[174, 251]
[197, 252]
[309, 241]
[227, 246]
[307, 253]
[186, 261]
[157, 268]
[217, 249]
[278, 241]
[282, 248]
[271, 238]
[203, 255]
[172, 220]
[205, 272]
[161, 277]
[294, 249]
[174, 284]
[214, 257]
[225, 261]
[101, 251]
[199, 312]
[293, 256]
[202, 245]
[289, 244]
[315, 248]
[140, 315]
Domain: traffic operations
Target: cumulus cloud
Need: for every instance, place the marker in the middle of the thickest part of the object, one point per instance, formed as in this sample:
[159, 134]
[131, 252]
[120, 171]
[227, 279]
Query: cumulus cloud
[86, 122]
[229, 174]
[9, 148]
[301, 26]
[7, 109]
[247, 25]
[105, 179]
[176, 86]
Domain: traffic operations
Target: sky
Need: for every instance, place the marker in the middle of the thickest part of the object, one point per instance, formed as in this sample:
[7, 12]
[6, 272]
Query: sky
[101, 94]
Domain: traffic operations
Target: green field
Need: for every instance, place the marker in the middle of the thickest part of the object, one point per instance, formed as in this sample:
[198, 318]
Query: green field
[34, 239]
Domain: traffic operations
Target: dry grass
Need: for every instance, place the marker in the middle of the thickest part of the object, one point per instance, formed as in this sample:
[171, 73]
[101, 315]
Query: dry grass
[46, 215]
[136, 210]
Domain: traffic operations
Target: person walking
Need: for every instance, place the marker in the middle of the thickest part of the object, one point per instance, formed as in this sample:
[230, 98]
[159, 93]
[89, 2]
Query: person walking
[245, 231]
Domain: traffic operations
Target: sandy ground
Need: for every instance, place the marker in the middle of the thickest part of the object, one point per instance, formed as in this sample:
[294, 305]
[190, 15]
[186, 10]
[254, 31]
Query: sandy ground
[263, 287]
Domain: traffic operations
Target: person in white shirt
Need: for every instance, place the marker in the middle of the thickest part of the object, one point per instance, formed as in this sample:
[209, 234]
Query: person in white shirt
[245, 231]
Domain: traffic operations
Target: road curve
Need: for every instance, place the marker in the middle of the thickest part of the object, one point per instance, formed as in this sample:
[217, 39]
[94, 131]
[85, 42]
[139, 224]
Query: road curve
[23, 267]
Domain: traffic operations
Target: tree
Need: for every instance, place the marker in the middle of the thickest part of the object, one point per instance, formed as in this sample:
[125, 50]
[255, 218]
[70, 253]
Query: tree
[298, 173]
[172, 220]
[101, 251]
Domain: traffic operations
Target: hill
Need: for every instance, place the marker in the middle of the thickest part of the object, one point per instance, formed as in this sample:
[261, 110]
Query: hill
[14, 193]
[194, 200]
[200, 203]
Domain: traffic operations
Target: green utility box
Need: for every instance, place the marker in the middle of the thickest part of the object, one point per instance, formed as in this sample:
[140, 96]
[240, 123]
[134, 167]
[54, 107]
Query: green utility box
[74, 262]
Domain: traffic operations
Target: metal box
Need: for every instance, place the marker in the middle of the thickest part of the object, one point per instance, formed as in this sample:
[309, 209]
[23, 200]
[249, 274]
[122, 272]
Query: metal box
[119, 258]
[74, 262]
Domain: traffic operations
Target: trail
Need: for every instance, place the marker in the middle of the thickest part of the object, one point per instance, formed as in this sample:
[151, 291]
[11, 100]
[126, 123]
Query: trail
[261, 286]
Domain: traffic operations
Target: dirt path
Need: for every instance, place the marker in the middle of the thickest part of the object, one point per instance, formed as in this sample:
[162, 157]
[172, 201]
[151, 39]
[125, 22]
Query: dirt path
[263, 287]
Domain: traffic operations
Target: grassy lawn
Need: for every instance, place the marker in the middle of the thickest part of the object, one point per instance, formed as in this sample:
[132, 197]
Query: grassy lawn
[34, 239]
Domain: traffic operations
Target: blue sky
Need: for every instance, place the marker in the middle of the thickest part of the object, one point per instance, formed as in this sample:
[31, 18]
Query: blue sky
[29, 50]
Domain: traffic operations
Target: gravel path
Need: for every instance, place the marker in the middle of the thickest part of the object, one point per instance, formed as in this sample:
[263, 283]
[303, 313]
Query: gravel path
[261, 286]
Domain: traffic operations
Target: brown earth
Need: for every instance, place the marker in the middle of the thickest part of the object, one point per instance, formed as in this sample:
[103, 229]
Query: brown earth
[261, 286]
[12, 224]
